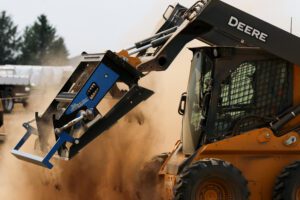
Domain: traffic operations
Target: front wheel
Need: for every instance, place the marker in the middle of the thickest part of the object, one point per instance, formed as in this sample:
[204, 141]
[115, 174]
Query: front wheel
[211, 179]
[149, 183]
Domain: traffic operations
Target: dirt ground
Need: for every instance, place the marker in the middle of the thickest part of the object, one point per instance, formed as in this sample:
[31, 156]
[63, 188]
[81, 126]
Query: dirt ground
[108, 168]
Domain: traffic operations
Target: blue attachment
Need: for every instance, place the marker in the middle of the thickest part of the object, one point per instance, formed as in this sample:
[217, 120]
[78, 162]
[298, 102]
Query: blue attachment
[104, 78]
[42, 161]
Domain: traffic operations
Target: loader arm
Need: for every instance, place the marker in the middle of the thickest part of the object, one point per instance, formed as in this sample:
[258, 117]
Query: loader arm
[73, 116]
[219, 24]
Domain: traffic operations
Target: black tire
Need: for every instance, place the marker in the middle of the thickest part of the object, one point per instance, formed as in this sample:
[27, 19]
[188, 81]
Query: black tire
[8, 104]
[211, 178]
[287, 186]
[25, 104]
[149, 182]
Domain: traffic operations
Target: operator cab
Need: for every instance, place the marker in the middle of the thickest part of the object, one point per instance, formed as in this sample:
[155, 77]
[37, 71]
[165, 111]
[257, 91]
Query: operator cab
[233, 90]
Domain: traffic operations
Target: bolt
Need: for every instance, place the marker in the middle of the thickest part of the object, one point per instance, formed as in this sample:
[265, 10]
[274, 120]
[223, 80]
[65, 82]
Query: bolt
[291, 140]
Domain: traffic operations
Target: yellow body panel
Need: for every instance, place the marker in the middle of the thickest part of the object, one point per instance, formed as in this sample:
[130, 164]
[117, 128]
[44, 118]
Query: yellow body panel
[258, 154]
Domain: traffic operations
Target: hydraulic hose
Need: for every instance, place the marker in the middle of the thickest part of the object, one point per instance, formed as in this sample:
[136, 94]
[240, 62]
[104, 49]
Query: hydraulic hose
[285, 119]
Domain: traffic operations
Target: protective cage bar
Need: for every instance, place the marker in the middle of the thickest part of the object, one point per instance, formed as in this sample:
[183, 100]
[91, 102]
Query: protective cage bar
[255, 91]
[74, 105]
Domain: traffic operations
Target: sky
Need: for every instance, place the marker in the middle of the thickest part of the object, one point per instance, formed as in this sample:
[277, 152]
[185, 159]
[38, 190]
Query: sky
[98, 25]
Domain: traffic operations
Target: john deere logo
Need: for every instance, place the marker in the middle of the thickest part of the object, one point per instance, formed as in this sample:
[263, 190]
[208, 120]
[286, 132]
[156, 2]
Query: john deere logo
[247, 29]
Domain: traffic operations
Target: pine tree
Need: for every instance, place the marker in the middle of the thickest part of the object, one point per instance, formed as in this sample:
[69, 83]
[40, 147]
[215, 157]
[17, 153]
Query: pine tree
[9, 40]
[41, 45]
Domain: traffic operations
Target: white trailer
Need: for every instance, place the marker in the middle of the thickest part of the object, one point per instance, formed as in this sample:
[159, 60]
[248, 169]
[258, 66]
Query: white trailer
[16, 81]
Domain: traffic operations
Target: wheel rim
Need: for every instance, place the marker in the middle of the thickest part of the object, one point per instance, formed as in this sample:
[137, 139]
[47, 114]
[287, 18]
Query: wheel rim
[213, 189]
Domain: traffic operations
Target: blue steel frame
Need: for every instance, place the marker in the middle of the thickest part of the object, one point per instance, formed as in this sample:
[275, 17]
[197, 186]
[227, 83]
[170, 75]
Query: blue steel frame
[105, 78]
[110, 69]
[42, 161]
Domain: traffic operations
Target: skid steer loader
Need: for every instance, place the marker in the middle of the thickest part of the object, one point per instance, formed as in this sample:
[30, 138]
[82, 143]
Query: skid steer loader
[240, 128]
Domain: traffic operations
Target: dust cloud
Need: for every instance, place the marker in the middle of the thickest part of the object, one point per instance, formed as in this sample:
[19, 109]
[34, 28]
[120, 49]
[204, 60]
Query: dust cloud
[109, 167]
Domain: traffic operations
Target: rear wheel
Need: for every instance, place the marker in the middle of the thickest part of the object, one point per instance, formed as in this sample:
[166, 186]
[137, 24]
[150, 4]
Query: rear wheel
[149, 182]
[211, 179]
[287, 186]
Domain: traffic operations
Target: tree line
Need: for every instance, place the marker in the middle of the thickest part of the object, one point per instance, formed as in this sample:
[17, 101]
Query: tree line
[39, 43]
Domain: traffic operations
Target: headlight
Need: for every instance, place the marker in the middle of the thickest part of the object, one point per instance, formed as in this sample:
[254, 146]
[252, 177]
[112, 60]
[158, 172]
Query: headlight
[27, 89]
